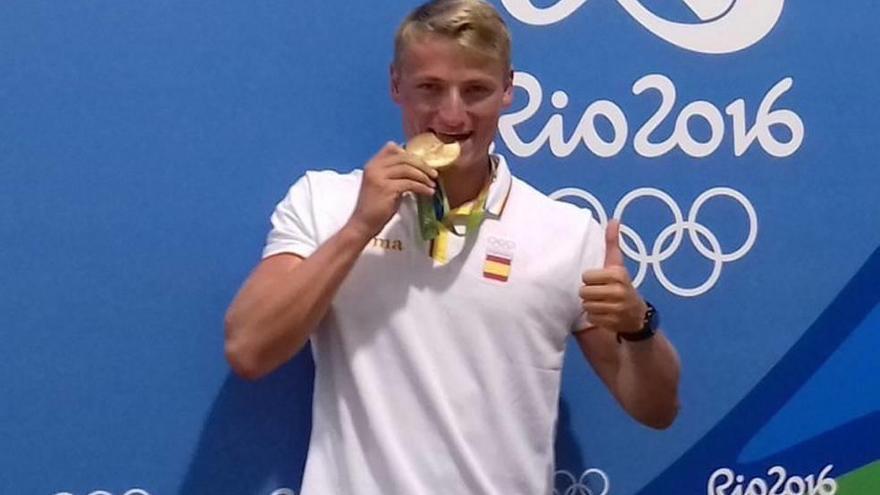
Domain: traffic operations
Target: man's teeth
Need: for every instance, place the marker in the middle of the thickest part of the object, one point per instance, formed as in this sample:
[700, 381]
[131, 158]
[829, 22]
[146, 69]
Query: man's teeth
[449, 138]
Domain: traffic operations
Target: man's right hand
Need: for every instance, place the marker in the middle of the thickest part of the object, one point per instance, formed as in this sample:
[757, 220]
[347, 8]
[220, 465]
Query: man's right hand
[387, 176]
[286, 296]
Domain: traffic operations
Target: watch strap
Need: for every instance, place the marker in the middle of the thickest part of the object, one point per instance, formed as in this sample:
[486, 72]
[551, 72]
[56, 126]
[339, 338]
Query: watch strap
[649, 326]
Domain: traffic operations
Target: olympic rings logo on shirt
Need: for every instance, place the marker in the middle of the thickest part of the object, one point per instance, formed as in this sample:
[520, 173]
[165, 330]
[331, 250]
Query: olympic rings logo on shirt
[581, 486]
[502, 244]
[697, 232]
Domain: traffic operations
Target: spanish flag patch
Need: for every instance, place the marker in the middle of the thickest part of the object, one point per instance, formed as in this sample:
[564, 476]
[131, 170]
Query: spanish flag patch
[496, 267]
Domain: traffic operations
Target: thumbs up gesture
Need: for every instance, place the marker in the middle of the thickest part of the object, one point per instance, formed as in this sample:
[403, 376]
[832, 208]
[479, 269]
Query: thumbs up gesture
[608, 295]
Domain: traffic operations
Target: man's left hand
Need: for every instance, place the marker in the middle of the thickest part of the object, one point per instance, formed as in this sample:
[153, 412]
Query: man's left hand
[608, 295]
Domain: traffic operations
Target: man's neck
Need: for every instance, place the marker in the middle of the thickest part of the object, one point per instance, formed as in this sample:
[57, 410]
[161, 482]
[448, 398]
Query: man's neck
[463, 184]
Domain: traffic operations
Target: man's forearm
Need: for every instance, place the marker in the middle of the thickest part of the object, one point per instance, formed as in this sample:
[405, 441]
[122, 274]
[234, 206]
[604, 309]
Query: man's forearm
[648, 380]
[280, 305]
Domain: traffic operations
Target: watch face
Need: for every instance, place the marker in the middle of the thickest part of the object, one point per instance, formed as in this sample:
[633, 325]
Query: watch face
[649, 328]
[652, 319]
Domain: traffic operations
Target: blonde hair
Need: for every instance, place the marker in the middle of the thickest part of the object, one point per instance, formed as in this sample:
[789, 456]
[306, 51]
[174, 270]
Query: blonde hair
[474, 24]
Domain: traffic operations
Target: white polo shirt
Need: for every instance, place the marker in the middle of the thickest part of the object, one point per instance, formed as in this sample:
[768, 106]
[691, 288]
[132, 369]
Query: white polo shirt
[441, 377]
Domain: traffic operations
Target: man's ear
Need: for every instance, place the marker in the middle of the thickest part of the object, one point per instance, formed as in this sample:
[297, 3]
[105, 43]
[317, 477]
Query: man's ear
[394, 80]
[507, 98]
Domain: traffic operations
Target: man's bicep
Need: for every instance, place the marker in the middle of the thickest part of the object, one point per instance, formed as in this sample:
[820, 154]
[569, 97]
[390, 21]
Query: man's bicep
[269, 272]
[276, 266]
[263, 280]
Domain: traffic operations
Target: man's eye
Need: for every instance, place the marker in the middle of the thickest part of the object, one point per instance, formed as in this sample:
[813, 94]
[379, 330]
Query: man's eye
[477, 90]
[427, 87]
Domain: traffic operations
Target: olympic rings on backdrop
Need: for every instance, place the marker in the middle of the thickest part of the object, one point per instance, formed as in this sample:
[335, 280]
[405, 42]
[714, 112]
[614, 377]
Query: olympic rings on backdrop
[580, 486]
[637, 250]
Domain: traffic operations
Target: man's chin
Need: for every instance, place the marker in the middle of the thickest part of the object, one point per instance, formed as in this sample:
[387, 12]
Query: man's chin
[467, 160]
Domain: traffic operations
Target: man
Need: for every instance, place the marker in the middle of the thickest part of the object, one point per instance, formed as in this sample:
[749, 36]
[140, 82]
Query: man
[438, 350]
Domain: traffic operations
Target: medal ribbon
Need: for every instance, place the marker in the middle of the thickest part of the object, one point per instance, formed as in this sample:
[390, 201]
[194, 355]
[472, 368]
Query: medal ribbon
[434, 213]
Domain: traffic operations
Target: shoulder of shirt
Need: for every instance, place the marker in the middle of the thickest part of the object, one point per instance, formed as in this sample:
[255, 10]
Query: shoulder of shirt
[550, 209]
[332, 177]
[330, 182]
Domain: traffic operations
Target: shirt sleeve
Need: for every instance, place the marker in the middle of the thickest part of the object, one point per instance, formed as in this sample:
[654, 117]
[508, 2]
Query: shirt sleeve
[592, 258]
[293, 222]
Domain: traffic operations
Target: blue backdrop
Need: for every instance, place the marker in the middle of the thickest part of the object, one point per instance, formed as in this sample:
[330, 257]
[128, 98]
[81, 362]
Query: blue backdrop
[143, 146]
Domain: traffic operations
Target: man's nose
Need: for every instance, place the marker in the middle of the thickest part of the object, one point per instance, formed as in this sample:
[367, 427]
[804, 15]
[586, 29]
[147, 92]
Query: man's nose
[453, 111]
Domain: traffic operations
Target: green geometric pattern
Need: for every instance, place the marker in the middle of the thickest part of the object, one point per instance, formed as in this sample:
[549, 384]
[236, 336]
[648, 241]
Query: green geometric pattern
[862, 481]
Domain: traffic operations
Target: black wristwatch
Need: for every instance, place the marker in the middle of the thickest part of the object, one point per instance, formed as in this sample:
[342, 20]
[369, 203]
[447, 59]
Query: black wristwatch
[649, 326]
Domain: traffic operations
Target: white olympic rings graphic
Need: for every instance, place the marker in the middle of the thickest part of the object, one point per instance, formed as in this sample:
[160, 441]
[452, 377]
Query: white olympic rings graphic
[725, 26]
[696, 232]
[579, 486]
[133, 491]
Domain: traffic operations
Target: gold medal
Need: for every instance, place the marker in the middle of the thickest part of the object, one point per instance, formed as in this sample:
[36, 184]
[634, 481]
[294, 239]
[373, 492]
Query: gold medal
[434, 152]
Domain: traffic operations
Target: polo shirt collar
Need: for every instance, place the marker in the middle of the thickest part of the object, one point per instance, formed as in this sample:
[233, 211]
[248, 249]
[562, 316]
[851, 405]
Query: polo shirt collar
[499, 188]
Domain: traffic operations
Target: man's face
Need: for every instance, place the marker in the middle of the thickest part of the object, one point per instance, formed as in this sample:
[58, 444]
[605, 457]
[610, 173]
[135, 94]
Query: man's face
[440, 88]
